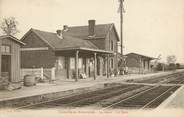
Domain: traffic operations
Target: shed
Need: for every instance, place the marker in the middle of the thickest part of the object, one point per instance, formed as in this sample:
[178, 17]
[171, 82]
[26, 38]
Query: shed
[138, 63]
[10, 58]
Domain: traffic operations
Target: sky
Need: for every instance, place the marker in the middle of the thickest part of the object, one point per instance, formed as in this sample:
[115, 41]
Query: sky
[150, 27]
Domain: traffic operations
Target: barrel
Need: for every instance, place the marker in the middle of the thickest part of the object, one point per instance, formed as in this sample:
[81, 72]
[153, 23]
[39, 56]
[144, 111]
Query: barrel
[29, 80]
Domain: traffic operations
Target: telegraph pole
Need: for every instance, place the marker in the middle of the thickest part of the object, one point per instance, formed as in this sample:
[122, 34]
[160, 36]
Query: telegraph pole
[121, 24]
[121, 11]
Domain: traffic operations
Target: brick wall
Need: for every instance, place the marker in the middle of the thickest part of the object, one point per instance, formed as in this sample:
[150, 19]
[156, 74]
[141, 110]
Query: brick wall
[135, 65]
[111, 37]
[132, 61]
[36, 58]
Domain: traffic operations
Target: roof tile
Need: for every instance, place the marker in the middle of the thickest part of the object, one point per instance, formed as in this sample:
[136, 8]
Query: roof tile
[67, 41]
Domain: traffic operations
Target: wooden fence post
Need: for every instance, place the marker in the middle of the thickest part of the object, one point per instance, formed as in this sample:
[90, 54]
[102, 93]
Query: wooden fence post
[53, 73]
[41, 71]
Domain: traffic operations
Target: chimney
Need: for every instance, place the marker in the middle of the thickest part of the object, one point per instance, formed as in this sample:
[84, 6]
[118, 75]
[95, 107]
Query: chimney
[59, 34]
[65, 28]
[91, 28]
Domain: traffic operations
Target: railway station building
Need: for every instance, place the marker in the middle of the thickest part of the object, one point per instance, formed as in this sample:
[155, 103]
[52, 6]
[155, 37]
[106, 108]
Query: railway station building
[74, 52]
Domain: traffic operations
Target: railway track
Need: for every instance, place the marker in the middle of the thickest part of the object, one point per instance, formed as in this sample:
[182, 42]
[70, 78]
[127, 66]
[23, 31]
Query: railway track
[95, 99]
[156, 80]
[135, 96]
[157, 101]
[88, 98]
[149, 98]
[177, 80]
[170, 79]
[74, 97]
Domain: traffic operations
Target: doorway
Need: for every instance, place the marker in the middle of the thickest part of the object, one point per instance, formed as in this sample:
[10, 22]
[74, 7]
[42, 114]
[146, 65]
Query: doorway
[6, 66]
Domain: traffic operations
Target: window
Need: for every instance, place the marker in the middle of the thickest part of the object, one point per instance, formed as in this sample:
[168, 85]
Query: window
[5, 49]
[112, 45]
[80, 63]
[72, 63]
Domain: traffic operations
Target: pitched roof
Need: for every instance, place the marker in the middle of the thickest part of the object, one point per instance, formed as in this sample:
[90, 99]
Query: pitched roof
[74, 37]
[140, 55]
[13, 38]
[67, 42]
[101, 31]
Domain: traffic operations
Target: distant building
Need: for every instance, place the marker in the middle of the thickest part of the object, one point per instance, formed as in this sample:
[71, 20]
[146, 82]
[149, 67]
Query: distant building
[138, 63]
[90, 50]
[10, 58]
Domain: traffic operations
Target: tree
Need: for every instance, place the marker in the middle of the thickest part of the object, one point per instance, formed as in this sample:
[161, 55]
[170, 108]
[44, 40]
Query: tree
[171, 59]
[177, 65]
[9, 26]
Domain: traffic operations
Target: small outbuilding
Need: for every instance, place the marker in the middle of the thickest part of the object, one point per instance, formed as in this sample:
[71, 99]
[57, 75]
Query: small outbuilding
[9, 59]
[138, 63]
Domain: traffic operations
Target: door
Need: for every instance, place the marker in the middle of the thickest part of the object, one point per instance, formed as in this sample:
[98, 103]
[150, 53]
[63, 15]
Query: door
[6, 66]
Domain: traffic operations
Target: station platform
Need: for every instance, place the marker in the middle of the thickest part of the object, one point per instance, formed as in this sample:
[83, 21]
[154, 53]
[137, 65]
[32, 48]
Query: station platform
[47, 91]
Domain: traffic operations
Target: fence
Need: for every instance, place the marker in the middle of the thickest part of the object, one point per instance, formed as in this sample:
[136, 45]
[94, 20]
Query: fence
[41, 73]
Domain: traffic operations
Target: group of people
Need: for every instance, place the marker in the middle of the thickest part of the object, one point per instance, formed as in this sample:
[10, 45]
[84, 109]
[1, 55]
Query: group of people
[122, 71]
[125, 70]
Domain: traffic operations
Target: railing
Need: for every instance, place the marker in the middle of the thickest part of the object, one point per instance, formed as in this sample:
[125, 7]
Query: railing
[42, 73]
